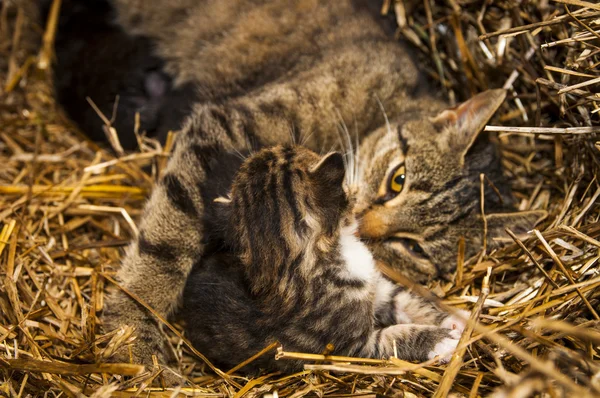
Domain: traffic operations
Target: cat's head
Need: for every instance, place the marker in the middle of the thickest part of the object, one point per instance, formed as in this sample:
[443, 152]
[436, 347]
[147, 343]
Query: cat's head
[421, 186]
[284, 198]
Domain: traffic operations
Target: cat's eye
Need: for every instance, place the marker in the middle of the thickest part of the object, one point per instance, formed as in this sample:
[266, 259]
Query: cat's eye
[396, 181]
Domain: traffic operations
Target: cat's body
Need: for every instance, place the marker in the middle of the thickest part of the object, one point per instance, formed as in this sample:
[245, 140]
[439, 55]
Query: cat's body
[271, 72]
[298, 275]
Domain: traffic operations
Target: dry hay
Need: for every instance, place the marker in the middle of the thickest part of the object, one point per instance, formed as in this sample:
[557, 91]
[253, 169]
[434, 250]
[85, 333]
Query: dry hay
[67, 208]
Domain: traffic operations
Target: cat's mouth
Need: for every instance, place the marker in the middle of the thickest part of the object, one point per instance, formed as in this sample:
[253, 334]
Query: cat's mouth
[411, 246]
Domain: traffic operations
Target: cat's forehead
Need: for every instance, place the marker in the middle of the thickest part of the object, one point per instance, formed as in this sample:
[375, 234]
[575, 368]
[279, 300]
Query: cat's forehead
[418, 130]
[383, 144]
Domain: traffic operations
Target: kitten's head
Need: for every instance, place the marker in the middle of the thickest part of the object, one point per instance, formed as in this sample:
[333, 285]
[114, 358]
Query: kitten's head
[420, 189]
[284, 199]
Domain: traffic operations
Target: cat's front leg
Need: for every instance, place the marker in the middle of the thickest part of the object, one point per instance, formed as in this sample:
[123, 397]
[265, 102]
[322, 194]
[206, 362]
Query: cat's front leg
[396, 304]
[157, 264]
[412, 342]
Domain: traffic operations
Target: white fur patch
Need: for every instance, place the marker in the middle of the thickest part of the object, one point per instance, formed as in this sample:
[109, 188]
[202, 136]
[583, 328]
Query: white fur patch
[358, 259]
[402, 317]
[383, 292]
[443, 350]
[457, 323]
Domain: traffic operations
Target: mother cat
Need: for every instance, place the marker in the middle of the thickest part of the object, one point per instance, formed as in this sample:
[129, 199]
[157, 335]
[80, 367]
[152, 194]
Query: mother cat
[268, 72]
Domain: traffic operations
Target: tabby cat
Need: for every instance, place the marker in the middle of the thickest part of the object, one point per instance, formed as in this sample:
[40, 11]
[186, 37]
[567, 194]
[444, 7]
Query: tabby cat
[271, 72]
[297, 274]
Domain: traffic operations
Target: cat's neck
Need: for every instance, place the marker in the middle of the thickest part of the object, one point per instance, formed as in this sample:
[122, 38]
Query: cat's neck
[358, 260]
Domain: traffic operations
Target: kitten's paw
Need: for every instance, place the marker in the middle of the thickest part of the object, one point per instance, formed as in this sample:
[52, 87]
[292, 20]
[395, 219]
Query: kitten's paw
[171, 378]
[456, 322]
[444, 349]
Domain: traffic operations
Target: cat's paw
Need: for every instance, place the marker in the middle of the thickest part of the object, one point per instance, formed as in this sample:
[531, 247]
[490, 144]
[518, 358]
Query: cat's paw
[444, 349]
[456, 322]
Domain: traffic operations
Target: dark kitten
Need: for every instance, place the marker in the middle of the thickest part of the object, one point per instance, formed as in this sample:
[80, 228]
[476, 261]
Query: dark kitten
[97, 59]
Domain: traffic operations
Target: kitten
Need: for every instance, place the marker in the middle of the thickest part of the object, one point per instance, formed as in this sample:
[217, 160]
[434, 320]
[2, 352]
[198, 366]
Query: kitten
[268, 72]
[120, 73]
[298, 274]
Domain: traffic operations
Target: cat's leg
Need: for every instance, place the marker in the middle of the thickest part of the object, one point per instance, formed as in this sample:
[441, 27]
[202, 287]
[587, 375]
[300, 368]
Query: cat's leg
[412, 342]
[156, 265]
[397, 305]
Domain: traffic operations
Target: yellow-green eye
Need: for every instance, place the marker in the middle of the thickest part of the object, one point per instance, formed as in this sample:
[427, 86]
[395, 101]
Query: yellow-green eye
[397, 180]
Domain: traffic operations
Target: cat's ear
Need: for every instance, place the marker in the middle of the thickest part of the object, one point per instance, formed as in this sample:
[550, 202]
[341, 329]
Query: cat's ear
[468, 119]
[519, 222]
[330, 170]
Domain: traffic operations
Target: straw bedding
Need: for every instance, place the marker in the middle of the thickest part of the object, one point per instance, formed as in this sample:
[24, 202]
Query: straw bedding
[69, 207]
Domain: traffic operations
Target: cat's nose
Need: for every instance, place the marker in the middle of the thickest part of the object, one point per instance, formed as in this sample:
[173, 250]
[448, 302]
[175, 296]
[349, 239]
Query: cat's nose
[371, 225]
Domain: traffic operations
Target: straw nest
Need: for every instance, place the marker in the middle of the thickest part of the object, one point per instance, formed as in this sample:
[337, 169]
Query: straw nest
[68, 207]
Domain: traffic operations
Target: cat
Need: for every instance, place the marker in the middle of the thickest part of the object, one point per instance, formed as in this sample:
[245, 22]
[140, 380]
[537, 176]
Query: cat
[271, 72]
[297, 274]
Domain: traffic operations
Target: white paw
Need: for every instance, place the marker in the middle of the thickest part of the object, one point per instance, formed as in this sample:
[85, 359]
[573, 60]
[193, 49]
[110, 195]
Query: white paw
[443, 350]
[456, 322]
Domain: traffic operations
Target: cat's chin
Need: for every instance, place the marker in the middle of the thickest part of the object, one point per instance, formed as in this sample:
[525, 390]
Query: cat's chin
[398, 254]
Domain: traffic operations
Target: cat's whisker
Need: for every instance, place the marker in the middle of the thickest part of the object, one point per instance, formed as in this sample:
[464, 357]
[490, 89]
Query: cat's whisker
[239, 154]
[331, 148]
[343, 149]
[346, 162]
[354, 148]
[357, 153]
[357, 162]
[292, 134]
[340, 138]
[387, 121]
[250, 145]
[348, 147]
[323, 152]
[355, 159]
[349, 166]
[304, 140]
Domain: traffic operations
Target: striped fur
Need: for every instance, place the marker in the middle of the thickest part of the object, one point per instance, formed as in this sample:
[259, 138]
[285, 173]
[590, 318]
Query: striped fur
[299, 276]
[321, 74]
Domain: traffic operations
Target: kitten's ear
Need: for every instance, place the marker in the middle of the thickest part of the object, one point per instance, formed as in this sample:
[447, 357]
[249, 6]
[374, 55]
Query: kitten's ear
[518, 222]
[470, 117]
[330, 170]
